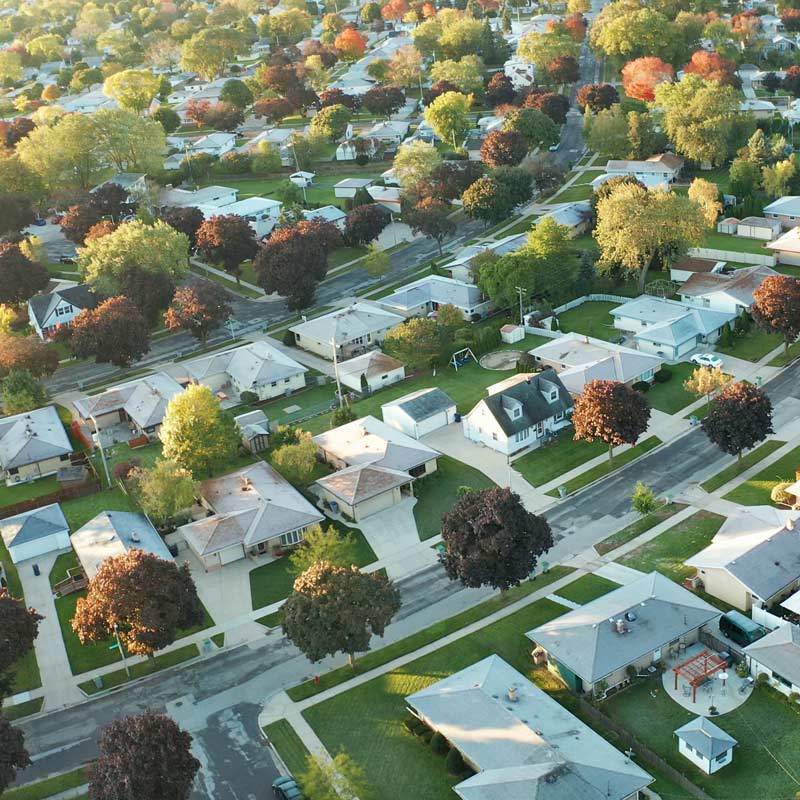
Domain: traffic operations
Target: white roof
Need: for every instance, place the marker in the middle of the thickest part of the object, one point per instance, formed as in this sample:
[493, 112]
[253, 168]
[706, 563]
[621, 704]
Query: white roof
[790, 241]
[649, 180]
[207, 196]
[756, 105]
[325, 214]
[213, 140]
[789, 205]
[389, 128]
[252, 205]
[569, 214]
[32, 436]
[779, 651]
[501, 247]
[350, 323]
[435, 289]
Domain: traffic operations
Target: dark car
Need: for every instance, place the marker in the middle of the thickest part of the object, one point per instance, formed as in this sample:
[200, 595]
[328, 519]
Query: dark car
[66, 260]
[40, 221]
[286, 788]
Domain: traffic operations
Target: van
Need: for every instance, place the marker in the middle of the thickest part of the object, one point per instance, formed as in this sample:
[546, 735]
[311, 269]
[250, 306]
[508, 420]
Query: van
[740, 629]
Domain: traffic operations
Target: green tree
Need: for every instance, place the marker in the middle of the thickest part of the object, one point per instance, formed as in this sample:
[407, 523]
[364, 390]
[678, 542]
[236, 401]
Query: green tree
[126, 141]
[164, 490]
[211, 50]
[779, 180]
[324, 544]
[415, 162]
[133, 89]
[331, 122]
[549, 240]
[287, 27]
[448, 116]
[708, 197]
[169, 120]
[466, 74]
[296, 461]
[745, 177]
[628, 31]
[462, 38]
[22, 392]
[541, 49]
[536, 127]
[48, 47]
[608, 133]
[416, 343]
[236, 92]
[643, 499]
[377, 260]
[489, 200]
[643, 138]
[341, 778]
[10, 66]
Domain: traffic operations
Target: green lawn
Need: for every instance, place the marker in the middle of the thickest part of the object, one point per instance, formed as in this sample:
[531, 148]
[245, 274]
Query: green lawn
[591, 319]
[437, 493]
[561, 455]
[272, 582]
[290, 747]
[667, 552]
[606, 467]
[26, 491]
[755, 491]
[578, 191]
[344, 254]
[79, 512]
[40, 790]
[784, 359]
[587, 588]
[738, 467]
[524, 345]
[522, 226]
[310, 400]
[642, 525]
[671, 397]
[63, 563]
[766, 728]
[752, 346]
[725, 241]
[21, 710]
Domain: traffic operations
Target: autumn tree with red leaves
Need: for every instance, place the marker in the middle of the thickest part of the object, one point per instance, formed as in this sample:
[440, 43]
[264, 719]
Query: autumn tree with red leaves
[199, 307]
[777, 307]
[26, 352]
[641, 76]
[564, 69]
[552, 104]
[504, 148]
[20, 278]
[739, 419]
[713, 67]
[351, 44]
[115, 332]
[227, 239]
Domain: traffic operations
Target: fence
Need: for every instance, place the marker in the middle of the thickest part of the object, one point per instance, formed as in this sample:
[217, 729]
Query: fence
[763, 617]
[732, 255]
[594, 298]
[63, 494]
[545, 332]
[646, 754]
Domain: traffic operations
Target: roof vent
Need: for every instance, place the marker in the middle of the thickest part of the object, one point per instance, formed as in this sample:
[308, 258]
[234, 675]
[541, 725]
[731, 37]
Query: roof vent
[630, 616]
[135, 537]
[620, 626]
[513, 695]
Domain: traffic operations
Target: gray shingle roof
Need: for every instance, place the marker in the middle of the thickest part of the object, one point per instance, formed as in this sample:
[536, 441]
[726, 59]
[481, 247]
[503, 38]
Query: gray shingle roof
[33, 525]
[779, 651]
[355, 484]
[43, 305]
[708, 739]
[423, 404]
[32, 436]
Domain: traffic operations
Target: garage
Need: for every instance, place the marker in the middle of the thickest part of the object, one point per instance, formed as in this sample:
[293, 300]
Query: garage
[360, 491]
[420, 413]
[34, 533]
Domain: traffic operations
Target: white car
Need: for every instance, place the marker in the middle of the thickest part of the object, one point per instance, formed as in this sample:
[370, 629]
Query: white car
[706, 360]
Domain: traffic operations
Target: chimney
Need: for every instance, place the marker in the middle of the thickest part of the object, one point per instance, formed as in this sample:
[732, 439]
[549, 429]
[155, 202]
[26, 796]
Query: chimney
[512, 694]
[789, 524]
[620, 626]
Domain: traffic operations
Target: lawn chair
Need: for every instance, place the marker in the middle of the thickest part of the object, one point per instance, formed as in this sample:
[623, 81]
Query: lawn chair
[687, 691]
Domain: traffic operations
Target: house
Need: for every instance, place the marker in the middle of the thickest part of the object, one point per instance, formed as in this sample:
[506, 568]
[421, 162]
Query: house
[115, 533]
[332, 214]
[206, 198]
[422, 298]
[460, 268]
[595, 647]
[32, 445]
[213, 144]
[257, 367]
[352, 330]
[668, 328]
[705, 744]
[250, 512]
[786, 210]
[350, 149]
[390, 132]
[386, 196]
[421, 412]
[134, 183]
[666, 166]
[754, 558]
[519, 412]
[782, 44]
[138, 405]
[751, 227]
[260, 212]
[575, 216]
[760, 109]
[34, 533]
[376, 465]
[777, 655]
[347, 187]
[731, 292]
[521, 743]
[254, 426]
[520, 71]
[60, 307]
[302, 179]
[787, 247]
[692, 265]
[579, 359]
[370, 372]
[650, 181]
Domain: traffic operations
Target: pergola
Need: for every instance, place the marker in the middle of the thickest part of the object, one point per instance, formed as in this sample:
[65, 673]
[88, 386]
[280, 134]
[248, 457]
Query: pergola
[698, 669]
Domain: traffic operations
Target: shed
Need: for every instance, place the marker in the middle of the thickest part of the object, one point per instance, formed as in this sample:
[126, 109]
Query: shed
[371, 371]
[34, 533]
[420, 413]
[254, 426]
[705, 744]
[728, 225]
[512, 333]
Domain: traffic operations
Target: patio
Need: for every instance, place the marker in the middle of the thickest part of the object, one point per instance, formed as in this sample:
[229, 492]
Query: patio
[692, 679]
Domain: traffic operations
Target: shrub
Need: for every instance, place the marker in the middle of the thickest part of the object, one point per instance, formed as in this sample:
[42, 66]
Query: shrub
[248, 397]
[410, 723]
[426, 735]
[288, 338]
[124, 468]
[454, 763]
[237, 163]
[762, 678]
[342, 416]
[779, 494]
[526, 363]
[793, 698]
[439, 744]
[641, 386]
[663, 375]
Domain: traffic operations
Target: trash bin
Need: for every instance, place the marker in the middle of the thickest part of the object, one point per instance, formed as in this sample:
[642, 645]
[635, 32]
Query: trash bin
[98, 681]
[36, 570]
[562, 491]
[693, 420]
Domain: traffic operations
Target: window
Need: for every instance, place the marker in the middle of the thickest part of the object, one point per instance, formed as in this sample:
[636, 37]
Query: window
[494, 436]
[293, 537]
[688, 747]
[521, 436]
[553, 395]
[384, 377]
[781, 679]
[559, 416]
[287, 380]
[722, 757]
[274, 383]
[517, 412]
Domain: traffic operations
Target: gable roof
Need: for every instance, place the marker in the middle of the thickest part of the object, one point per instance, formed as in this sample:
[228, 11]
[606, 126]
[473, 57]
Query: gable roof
[435, 289]
[661, 163]
[371, 363]
[586, 640]
[360, 319]
[361, 482]
[253, 423]
[739, 285]
[788, 205]
[779, 651]
[422, 404]
[43, 305]
[788, 242]
[32, 436]
[32, 525]
[706, 738]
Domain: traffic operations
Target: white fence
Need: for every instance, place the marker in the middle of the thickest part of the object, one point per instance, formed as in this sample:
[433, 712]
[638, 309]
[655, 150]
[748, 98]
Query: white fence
[594, 298]
[732, 255]
[763, 617]
[545, 332]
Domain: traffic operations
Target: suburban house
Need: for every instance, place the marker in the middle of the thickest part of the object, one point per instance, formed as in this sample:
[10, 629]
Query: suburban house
[32, 445]
[115, 533]
[257, 367]
[754, 558]
[786, 247]
[751, 227]
[34, 533]
[347, 187]
[137, 405]
[371, 371]
[668, 328]
[691, 265]
[421, 412]
[248, 513]
[460, 268]
[387, 197]
[261, 212]
[352, 330]
[376, 465]
[575, 216]
[254, 426]
[350, 149]
[49, 310]
[520, 71]
[595, 648]
[785, 210]
[213, 144]
[760, 109]
[302, 178]
[520, 742]
[519, 412]
[728, 292]
[332, 214]
[423, 297]
[705, 744]
[389, 132]
[778, 656]
[666, 166]
[579, 359]
[206, 198]
[650, 181]
[134, 183]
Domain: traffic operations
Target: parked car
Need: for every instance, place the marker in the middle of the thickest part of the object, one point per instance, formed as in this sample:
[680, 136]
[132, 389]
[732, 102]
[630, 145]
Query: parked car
[40, 222]
[286, 788]
[66, 260]
[706, 360]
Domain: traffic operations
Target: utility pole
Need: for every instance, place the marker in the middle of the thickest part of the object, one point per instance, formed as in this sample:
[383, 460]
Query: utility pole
[521, 292]
[99, 442]
[336, 363]
[121, 651]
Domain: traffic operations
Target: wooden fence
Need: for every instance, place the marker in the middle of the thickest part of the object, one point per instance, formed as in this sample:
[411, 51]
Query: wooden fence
[65, 493]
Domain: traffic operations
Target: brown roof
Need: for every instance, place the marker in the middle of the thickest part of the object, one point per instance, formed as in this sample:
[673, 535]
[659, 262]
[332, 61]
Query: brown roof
[740, 285]
[356, 484]
[696, 264]
[669, 160]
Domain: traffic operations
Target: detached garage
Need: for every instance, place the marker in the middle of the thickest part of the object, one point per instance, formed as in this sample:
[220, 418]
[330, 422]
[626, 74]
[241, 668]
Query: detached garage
[420, 413]
[35, 533]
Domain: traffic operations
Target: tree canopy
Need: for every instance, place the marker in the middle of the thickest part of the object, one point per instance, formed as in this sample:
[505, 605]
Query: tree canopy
[739, 419]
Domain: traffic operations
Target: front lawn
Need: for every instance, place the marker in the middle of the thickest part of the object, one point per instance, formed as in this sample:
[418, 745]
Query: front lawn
[667, 552]
[642, 525]
[755, 491]
[572, 194]
[40, 790]
[591, 319]
[561, 455]
[437, 493]
[587, 588]
[726, 241]
[786, 358]
[738, 467]
[293, 752]
[752, 346]
[671, 396]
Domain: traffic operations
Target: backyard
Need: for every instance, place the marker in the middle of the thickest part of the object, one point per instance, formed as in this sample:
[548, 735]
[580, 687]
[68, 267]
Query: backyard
[738, 244]
[755, 491]
[591, 319]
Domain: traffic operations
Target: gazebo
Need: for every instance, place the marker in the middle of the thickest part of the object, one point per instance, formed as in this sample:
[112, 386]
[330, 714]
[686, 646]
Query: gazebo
[698, 669]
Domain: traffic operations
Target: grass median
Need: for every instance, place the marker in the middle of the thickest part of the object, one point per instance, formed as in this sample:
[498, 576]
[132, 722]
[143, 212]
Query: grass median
[636, 529]
[738, 467]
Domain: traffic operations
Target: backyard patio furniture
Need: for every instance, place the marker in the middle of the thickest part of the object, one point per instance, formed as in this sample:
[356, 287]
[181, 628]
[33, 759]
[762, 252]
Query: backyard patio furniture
[698, 670]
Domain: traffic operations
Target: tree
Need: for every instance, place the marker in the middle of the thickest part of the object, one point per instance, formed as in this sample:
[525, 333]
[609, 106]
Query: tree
[500, 90]
[707, 196]
[608, 132]
[338, 610]
[19, 626]
[451, 178]
[587, 274]
[536, 127]
[227, 239]
[20, 278]
[612, 412]
[10, 67]
[156, 248]
[552, 104]
[416, 343]
[79, 220]
[406, 67]
[150, 292]
[492, 540]
[115, 331]
[196, 433]
[384, 100]
[644, 139]
[549, 240]
[145, 756]
[542, 49]
[337, 548]
[466, 75]
[236, 92]
[296, 461]
[779, 179]
[26, 352]
[641, 76]
[563, 69]
[331, 122]
[777, 307]
[629, 31]
[431, 217]
[22, 392]
[713, 67]
[351, 44]
[415, 162]
[199, 306]
[133, 89]
[376, 261]
[186, 220]
[739, 419]
[223, 117]
[13, 755]
[341, 778]
[705, 381]
[288, 27]
[504, 148]
[637, 228]
[16, 212]
[48, 47]
[745, 177]
[210, 51]
[643, 499]
[164, 490]
[364, 224]
[489, 200]
[448, 116]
